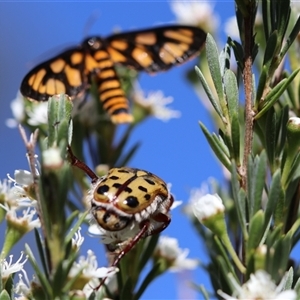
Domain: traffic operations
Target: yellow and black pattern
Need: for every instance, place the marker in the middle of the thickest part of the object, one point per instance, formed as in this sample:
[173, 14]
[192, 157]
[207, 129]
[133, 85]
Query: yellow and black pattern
[72, 71]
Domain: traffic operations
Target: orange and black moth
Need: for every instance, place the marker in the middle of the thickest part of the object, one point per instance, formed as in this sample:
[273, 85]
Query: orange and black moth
[72, 71]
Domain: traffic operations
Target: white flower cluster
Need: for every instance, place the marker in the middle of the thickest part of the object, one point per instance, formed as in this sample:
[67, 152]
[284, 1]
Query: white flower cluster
[8, 267]
[168, 248]
[88, 268]
[16, 193]
[37, 113]
[260, 286]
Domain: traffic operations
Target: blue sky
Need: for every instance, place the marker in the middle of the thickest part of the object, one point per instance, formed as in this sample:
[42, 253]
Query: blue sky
[176, 151]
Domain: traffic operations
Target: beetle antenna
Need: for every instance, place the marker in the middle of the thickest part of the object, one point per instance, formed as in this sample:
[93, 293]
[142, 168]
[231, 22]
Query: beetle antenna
[81, 165]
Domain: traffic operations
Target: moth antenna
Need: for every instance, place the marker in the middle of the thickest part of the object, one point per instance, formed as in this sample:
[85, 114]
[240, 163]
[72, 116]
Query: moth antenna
[94, 16]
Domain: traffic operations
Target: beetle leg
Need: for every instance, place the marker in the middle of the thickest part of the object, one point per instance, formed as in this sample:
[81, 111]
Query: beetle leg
[127, 248]
[161, 218]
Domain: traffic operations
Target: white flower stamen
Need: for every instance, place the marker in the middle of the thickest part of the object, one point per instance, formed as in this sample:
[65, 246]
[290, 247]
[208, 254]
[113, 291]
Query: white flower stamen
[78, 239]
[8, 267]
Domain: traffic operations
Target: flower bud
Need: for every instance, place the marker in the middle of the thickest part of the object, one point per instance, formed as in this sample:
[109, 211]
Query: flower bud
[209, 210]
[52, 158]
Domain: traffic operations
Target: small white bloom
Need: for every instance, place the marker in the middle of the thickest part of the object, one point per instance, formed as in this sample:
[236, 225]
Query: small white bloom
[156, 102]
[26, 222]
[13, 197]
[78, 239]
[6, 190]
[38, 114]
[20, 193]
[294, 121]
[5, 187]
[168, 248]
[52, 158]
[196, 13]
[195, 194]
[23, 183]
[23, 286]
[8, 267]
[261, 286]
[231, 28]
[23, 177]
[262, 249]
[102, 169]
[89, 271]
[208, 206]
[18, 110]
[89, 267]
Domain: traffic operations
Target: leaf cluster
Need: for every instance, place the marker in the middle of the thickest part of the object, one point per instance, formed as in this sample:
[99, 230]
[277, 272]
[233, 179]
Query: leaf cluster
[256, 143]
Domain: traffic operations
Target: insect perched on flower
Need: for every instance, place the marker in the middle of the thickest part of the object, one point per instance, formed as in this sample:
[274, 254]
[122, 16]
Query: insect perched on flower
[73, 71]
[128, 204]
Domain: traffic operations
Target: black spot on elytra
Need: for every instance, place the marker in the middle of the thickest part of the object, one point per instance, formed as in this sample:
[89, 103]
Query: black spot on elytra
[123, 171]
[147, 197]
[128, 189]
[142, 188]
[132, 201]
[117, 185]
[150, 181]
[102, 189]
